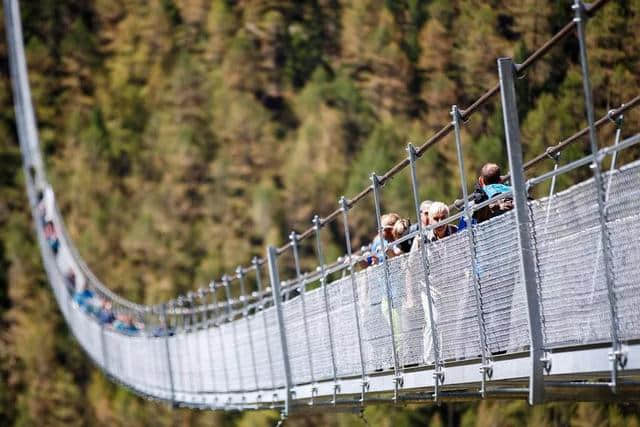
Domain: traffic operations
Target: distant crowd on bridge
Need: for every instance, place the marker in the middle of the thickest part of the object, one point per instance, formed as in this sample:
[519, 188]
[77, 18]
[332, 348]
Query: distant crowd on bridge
[396, 237]
[87, 299]
[433, 218]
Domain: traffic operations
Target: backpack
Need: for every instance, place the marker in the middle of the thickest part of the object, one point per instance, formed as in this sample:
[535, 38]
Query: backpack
[495, 208]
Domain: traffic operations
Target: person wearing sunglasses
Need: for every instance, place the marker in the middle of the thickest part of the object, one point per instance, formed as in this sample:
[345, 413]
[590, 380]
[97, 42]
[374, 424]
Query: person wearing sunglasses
[424, 220]
[375, 255]
[438, 212]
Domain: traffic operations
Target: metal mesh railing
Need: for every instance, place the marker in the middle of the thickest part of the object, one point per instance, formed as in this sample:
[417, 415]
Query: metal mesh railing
[471, 297]
[574, 305]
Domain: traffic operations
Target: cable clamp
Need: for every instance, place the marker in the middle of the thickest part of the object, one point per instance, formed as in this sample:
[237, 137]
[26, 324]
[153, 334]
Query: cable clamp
[487, 369]
[553, 156]
[619, 356]
[399, 381]
[615, 120]
[438, 374]
[546, 362]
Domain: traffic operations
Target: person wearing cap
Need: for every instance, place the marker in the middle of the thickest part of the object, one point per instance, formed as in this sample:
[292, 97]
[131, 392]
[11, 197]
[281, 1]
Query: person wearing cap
[387, 222]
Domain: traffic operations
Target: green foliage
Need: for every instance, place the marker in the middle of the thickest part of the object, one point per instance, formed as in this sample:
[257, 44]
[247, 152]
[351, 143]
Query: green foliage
[182, 136]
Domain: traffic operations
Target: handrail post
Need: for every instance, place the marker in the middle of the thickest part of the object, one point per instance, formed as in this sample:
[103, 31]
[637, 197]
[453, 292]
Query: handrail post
[344, 206]
[256, 265]
[506, 70]
[193, 330]
[245, 314]
[274, 277]
[293, 238]
[216, 324]
[397, 380]
[207, 324]
[486, 369]
[165, 323]
[617, 355]
[317, 224]
[438, 374]
[187, 388]
[227, 291]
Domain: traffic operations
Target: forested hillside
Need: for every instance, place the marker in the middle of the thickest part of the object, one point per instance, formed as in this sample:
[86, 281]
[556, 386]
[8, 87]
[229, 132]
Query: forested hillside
[182, 136]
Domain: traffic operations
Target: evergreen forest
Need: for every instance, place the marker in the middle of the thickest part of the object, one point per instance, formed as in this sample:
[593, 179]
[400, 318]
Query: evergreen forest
[183, 136]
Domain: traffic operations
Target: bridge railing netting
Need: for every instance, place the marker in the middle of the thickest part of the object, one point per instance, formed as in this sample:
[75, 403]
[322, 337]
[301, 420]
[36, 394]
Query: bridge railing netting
[464, 297]
[574, 302]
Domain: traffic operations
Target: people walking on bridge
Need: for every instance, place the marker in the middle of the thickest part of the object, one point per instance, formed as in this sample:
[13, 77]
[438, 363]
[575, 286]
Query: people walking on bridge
[387, 222]
[51, 237]
[424, 220]
[400, 229]
[489, 185]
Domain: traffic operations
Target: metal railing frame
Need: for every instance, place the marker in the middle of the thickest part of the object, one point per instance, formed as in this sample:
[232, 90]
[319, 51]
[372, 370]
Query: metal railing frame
[32, 159]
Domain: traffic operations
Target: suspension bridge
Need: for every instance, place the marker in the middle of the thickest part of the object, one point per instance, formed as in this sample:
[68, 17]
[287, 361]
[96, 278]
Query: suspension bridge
[540, 303]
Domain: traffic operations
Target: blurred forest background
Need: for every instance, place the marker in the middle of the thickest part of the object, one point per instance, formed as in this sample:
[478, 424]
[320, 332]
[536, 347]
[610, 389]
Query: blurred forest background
[184, 135]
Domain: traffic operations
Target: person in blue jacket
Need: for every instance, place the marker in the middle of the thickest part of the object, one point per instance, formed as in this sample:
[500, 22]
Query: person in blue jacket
[490, 184]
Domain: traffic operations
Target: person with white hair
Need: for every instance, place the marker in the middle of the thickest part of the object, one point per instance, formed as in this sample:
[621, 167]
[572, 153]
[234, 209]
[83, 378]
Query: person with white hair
[438, 212]
[424, 220]
[416, 288]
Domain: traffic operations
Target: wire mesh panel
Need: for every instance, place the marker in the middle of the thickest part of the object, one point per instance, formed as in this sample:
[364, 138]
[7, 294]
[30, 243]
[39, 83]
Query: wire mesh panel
[415, 312]
[233, 368]
[376, 333]
[296, 340]
[319, 334]
[623, 203]
[503, 293]
[623, 195]
[454, 296]
[574, 304]
[159, 370]
[93, 339]
[176, 357]
[133, 366]
[406, 277]
[572, 282]
[206, 360]
[115, 365]
[262, 351]
[219, 358]
[625, 253]
[192, 361]
[244, 354]
[56, 280]
[276, 348]
[344, 327]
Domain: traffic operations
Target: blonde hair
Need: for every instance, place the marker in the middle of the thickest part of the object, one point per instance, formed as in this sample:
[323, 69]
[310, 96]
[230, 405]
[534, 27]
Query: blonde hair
[424, 206]
[401, 227]
[389, 220]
